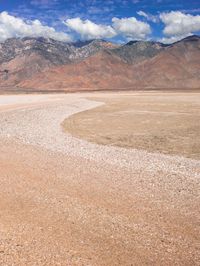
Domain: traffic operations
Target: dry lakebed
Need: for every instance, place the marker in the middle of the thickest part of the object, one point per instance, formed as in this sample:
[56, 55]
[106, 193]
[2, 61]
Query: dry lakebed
[100, 179]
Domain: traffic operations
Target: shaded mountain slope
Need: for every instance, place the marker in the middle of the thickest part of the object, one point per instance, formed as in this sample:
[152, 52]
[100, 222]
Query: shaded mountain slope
[136, 51]
[21, 59]
[96, 72]
[98, 65]
[178, 66]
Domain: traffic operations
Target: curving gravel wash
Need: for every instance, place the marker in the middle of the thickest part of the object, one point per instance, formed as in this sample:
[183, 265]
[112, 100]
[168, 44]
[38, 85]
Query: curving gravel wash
[41, 125]
[63, 199]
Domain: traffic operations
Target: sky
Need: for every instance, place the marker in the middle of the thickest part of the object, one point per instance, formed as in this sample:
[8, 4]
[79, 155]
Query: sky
[114, 20]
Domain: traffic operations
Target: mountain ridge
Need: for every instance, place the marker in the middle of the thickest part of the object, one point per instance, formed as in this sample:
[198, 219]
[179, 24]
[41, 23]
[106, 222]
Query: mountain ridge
[40, 63]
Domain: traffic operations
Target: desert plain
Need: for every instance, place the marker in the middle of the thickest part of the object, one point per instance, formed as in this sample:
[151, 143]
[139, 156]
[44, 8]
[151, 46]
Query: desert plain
[100, 179]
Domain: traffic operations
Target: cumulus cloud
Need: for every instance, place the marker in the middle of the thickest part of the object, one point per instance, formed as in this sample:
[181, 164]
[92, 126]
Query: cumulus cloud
[148, 16]
[172, 39]
[11, 26]
[178, 24]
[90, 30]
[131, 28]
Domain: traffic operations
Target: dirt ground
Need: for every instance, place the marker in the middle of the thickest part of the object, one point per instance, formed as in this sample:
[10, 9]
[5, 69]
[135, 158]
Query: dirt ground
[68, 202]
[157, 122]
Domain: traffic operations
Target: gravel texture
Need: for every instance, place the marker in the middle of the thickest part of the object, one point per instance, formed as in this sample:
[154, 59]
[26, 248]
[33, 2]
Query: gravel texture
[42, 127]
[65, 201]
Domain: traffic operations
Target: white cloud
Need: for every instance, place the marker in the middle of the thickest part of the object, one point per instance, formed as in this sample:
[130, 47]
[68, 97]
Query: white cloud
[131, 28]
[89, 30]
[172, 39]
[178, 24]
[11, 26]
[148, 16]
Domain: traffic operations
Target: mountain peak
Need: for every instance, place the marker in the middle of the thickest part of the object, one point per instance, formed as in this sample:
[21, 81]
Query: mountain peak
[192, 38]
[189, 39]
[22, 59]
[131, 43]
[148, 43]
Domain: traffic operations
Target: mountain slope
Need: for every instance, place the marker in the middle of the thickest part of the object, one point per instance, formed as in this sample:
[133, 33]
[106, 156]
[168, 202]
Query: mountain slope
[21, 59]
[178, 66]
[50, 65]
[136, 51]
[96, 72]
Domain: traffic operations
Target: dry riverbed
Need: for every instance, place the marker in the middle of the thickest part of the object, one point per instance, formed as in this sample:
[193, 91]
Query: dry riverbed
[65, 201]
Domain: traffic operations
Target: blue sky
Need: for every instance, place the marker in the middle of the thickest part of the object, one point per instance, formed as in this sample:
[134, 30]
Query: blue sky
[117, 20]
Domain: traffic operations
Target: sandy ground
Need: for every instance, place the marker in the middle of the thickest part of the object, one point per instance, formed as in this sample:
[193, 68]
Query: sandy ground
[157, 122]
[64, 201]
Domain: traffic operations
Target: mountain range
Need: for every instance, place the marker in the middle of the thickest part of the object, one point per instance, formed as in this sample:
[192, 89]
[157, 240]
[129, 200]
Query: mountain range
[43, 64]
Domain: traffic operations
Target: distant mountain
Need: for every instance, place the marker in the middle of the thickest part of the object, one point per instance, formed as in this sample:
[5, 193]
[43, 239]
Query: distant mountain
[53, 51]
[46, 64]
[86, 49]
[192, 38]
[136, 51]
[98, 43]
[21, 59]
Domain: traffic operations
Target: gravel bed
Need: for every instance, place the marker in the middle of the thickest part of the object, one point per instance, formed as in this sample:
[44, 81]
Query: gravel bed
[41, 126]
[64, 199]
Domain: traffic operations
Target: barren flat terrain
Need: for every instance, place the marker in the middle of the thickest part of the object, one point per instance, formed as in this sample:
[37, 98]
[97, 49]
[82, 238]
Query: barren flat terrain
[156, 122]
[67, 201]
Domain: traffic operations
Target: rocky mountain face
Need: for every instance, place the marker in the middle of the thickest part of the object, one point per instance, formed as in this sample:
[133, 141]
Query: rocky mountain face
[21, 59]
[85, 49]
[136, 51]
[46, 64]
[53, 51]
[56, 52]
